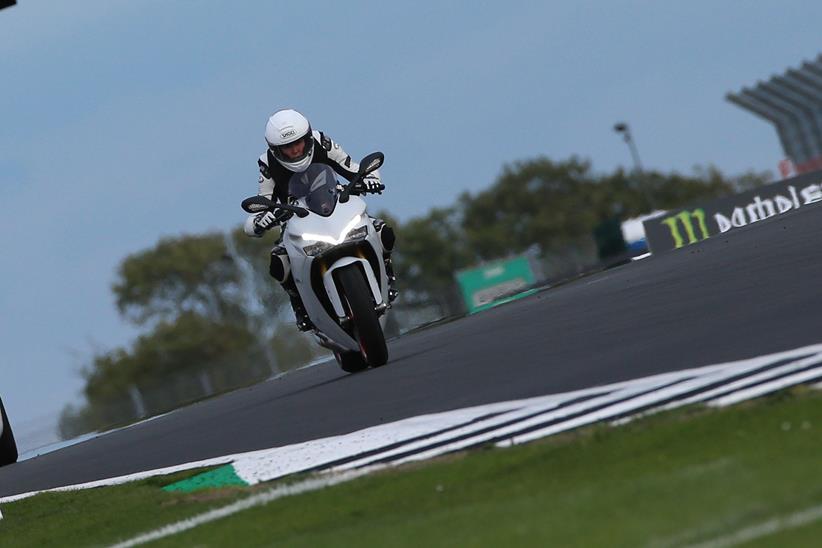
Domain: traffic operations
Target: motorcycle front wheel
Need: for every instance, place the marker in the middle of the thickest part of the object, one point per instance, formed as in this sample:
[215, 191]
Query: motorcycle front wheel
[351, 362]
[365, 324]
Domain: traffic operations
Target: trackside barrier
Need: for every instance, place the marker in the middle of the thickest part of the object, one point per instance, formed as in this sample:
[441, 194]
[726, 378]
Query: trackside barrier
[690, 225]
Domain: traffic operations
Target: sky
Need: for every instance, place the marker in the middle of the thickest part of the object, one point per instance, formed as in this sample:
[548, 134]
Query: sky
[125, 121]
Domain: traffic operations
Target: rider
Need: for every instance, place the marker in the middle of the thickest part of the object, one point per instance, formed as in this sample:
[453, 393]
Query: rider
[292, 147]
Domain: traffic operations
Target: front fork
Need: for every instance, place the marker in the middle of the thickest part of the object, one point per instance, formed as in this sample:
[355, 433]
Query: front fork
[387, 238]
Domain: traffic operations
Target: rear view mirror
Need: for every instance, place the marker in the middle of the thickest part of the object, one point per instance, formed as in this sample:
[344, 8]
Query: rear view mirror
[257, 204]
[371, 162]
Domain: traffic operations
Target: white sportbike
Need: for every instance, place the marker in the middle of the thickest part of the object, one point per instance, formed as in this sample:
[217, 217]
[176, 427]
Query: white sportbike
[336, 259]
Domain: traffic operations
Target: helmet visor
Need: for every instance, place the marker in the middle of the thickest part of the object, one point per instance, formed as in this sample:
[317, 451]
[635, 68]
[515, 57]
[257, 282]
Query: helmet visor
[295, 150]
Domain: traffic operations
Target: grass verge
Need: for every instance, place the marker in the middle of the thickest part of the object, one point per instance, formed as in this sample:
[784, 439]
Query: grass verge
[667, 480]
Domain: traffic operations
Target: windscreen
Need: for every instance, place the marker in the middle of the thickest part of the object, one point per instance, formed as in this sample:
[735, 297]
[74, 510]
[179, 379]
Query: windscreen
[318, 185]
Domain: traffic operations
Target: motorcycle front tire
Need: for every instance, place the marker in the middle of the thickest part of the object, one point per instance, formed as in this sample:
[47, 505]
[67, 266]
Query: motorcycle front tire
[364, 321]
[351, 362]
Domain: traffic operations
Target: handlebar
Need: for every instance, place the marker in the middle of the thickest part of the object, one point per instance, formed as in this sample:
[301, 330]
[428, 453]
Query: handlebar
[345, 193]
[258, 204]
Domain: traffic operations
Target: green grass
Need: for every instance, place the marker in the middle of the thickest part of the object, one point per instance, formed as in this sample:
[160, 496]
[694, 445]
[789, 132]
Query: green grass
[103, 515]
[667, 480]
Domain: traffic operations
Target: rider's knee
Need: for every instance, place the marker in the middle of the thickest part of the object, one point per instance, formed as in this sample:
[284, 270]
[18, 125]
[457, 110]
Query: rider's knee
[280, 267]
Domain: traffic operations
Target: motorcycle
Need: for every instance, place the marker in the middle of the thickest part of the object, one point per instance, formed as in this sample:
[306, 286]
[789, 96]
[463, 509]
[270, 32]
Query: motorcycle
[336, 259]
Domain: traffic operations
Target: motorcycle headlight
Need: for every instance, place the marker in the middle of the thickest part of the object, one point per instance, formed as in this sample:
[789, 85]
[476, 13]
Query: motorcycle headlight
[357, 233]
[308, 237]
[315, 249]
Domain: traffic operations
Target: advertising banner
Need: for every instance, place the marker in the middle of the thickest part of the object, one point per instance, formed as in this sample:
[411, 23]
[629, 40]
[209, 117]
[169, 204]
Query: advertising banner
[686, 226]
[482, 287]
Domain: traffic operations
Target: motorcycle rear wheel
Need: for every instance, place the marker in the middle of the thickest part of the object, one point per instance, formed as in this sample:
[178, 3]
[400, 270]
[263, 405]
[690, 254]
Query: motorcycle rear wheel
[364, 321]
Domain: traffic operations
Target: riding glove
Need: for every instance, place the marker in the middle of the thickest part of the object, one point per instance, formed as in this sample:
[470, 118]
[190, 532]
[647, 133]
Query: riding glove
[370, 185]
[268, 219]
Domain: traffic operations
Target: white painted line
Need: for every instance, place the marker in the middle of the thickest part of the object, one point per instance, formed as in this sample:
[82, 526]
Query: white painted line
[767, 388]
[764, 529]
[640, 257]
[444, 437]
[518, 427]
[734, 369]
[748, 381]
[283, 461]
[244, 504]
[641, 402]
[315, 362]
[801, 352]
[604, 395]
[279, 462]
[268, 464]
[132, 477]
[51, 447]
[744, 535]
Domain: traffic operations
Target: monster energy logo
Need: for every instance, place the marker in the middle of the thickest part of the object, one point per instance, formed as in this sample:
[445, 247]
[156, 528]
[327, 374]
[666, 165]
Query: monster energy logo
[685, 219]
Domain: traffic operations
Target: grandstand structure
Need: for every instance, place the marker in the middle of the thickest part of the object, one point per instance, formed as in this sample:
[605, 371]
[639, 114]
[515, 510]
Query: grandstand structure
[792, 102]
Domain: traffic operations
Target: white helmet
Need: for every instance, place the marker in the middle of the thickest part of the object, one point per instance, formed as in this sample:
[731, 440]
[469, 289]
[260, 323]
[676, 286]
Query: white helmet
[284, 130]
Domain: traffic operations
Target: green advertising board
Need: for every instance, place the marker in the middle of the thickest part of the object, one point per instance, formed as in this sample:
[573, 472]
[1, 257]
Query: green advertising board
[495, 283]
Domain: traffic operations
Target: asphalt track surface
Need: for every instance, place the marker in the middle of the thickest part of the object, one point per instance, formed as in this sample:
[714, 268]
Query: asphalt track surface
[753, 291]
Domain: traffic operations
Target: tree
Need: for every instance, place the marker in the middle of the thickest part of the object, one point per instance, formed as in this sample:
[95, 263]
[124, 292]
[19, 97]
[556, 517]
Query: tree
[180, 274]
[189, 345]
[213, 321]
[430, 249]
[534, 202]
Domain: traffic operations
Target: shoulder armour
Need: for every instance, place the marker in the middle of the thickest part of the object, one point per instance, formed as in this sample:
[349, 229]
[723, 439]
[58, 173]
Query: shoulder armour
[264, 169]
[325, 141]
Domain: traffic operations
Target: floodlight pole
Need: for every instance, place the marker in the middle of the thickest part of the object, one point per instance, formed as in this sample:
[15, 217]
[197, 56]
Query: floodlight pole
[623, 129]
